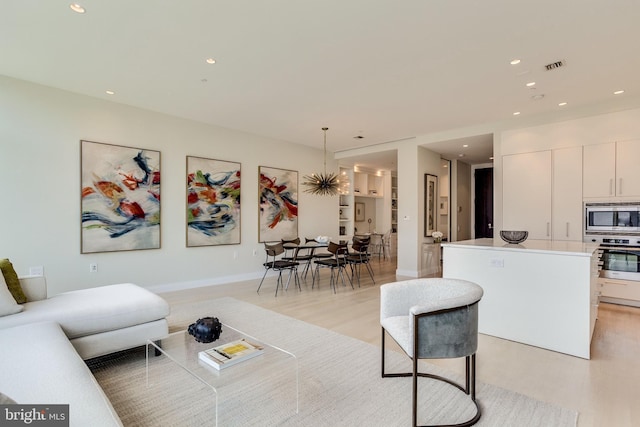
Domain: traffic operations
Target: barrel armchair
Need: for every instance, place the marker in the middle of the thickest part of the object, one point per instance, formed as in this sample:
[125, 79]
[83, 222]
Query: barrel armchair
[433, 318]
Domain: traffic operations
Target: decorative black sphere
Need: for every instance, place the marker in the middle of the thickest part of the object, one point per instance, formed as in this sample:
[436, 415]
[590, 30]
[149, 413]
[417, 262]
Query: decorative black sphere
[207, 329]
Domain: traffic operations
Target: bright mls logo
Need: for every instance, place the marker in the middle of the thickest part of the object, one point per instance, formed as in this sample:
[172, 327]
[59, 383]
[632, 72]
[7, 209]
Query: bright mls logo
[34, 415]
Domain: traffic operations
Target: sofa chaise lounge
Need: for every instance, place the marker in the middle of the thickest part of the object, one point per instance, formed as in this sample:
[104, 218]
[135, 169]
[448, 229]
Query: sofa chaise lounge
[43, 346]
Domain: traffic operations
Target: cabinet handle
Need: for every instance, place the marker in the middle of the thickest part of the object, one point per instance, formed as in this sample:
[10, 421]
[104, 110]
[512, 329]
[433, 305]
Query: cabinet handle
[620, 186]
[548, 228]
[567, 229]
[611, 186]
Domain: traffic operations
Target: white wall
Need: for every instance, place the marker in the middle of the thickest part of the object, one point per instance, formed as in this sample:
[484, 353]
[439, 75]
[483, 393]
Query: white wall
[369, 213]
[416, 161]
[40, 130]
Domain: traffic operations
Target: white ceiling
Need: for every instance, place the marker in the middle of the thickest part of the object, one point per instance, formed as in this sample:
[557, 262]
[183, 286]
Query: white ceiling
[382, 69]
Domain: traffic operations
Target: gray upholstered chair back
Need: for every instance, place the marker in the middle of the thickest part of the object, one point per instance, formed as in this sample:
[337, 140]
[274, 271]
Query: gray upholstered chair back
[449, 334]
[445, 311]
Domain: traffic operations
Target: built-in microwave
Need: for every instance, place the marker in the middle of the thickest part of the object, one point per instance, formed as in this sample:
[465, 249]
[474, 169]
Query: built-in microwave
[612, 218]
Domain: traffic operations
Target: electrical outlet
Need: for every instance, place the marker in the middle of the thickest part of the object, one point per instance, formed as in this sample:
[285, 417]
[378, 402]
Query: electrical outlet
[497, 263]
[93, 267]
[38, 270]
[235, 254]
[255, 252]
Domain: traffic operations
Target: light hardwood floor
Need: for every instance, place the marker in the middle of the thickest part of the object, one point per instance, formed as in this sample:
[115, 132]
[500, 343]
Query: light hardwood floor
[605, 390]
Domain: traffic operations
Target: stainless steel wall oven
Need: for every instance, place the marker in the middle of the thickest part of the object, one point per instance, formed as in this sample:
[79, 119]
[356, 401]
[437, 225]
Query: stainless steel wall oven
[616, 229]
[620, 259]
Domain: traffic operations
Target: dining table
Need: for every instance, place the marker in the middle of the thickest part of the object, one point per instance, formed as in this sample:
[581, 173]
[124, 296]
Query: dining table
[310, 248]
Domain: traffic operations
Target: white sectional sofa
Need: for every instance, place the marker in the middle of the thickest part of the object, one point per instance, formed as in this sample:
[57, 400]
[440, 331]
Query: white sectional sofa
[42, 347]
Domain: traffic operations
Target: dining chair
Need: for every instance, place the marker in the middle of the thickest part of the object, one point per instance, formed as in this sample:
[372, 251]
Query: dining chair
[290, 246]
[359, 256]
[386, 244]
[376, 245]
[302, 254]
[275, 262]
[337, 263]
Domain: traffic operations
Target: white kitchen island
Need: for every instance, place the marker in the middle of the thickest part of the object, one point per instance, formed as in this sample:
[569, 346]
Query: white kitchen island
[540, 292]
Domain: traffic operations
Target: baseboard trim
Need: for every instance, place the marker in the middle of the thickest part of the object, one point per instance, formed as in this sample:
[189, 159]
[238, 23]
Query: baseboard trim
[201, 283]
[407, 273]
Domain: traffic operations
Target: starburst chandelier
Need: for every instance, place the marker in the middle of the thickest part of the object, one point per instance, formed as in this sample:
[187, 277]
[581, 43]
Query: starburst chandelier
[322, 184]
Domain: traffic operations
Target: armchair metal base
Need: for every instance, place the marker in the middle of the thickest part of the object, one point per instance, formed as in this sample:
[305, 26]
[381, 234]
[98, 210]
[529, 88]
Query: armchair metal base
[468, 389]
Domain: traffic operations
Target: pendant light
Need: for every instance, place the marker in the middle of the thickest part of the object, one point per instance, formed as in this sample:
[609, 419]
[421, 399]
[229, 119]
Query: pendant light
[322, 184]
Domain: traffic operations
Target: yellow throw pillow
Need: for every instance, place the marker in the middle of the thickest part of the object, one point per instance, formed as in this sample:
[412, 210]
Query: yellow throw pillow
[13, 283]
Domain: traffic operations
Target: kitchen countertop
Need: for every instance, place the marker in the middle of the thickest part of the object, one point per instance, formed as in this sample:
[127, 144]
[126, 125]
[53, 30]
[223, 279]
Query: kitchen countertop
[559, 247]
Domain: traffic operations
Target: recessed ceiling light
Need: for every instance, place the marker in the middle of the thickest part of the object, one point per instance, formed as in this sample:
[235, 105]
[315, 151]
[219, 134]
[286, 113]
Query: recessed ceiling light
[537, 97]
[562, 104]
[460, 155]
[465, 145]
[531, 84]
[110, 92]
[517, 113]
[515, 62]
[618, 92]
[77, 8]
[211, 61]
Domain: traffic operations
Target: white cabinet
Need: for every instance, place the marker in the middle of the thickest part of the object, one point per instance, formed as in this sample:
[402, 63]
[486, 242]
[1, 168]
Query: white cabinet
[618, 291]
[566, 194]
[542, 193]
[526, 192]
[610, 170]
[627, 170]
[599, 170]
[375, 190]
[367, 185]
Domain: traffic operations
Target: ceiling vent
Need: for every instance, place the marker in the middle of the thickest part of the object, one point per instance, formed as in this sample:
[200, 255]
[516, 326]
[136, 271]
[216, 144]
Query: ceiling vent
[554, 65]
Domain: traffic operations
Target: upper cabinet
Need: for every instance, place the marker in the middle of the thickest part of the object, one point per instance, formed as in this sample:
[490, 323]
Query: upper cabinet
[367, 185]
[627, 170]
[611, 170]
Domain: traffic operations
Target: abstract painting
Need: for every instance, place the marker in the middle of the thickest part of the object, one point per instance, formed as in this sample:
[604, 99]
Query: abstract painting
[213, 202]
[278, 204]
[120, 198]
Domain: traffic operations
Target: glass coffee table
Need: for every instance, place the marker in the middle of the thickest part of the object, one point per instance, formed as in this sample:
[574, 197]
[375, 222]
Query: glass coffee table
[263, 390]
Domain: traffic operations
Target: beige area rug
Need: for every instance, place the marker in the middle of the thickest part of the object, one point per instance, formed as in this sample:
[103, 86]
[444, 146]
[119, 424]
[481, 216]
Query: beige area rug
[340, 383]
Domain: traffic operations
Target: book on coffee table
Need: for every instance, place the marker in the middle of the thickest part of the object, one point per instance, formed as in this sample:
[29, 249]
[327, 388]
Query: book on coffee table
[230, 353]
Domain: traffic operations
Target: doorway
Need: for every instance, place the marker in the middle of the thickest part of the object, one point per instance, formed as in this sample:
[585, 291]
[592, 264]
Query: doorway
[483, 203]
